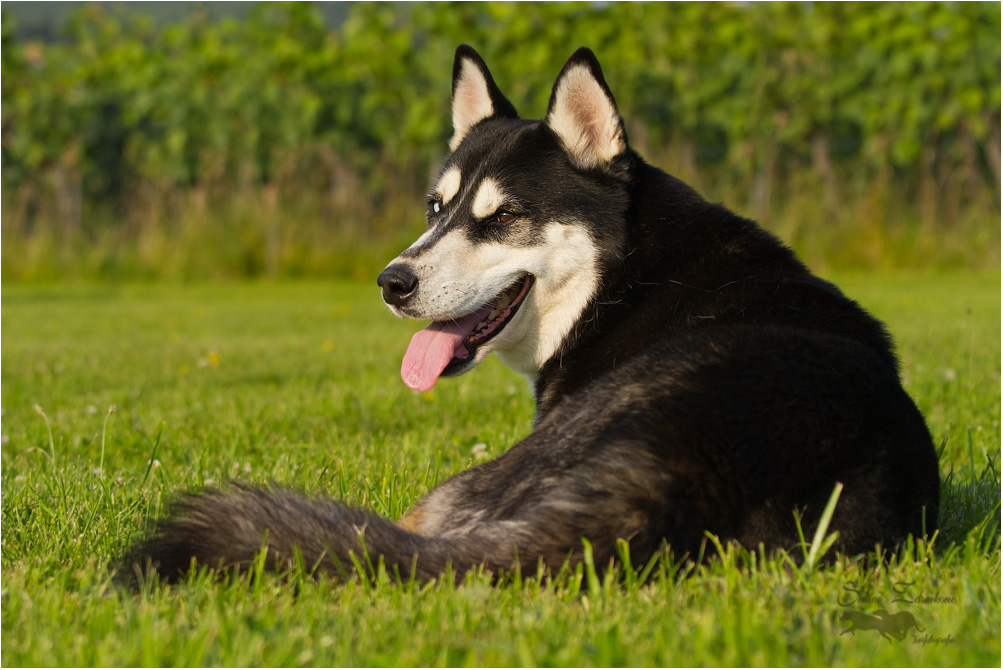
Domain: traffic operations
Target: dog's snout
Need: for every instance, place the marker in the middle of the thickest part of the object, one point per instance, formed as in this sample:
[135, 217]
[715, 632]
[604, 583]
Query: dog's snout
[398, 284]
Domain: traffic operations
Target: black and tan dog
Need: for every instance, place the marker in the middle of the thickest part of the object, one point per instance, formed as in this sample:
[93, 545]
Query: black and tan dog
[691, 375]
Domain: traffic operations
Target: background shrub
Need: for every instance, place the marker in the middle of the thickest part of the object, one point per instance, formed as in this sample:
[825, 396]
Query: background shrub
[277, 144]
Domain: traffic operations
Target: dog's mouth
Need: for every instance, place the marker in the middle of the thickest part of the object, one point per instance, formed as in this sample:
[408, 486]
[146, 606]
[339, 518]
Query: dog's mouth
[447, 347]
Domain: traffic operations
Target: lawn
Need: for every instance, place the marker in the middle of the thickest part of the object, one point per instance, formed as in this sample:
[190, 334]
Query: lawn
[298, 383]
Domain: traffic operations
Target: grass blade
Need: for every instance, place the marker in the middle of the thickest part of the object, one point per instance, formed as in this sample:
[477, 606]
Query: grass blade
[820, 543]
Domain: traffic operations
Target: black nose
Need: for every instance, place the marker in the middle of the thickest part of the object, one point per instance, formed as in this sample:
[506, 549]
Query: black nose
[398, 284]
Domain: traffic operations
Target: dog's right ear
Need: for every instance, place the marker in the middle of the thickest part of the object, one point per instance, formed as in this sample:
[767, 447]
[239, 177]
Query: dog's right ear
[475, 95]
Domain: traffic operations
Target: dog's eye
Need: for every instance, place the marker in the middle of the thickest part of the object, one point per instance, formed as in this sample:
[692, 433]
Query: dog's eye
[434, 206]
[504, 217]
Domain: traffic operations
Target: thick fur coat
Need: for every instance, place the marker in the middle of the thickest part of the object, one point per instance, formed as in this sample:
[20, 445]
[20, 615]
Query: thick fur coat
[691, 375]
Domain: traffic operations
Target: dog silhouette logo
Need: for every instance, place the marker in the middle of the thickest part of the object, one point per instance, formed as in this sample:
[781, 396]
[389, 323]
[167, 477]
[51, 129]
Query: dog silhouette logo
[889, 625]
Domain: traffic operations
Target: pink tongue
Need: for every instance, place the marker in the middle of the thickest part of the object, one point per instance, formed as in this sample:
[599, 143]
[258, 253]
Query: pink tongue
[431, 350]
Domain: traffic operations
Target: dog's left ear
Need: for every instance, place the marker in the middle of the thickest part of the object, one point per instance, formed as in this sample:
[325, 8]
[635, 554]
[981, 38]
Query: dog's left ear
[475, 95]
[583, 113]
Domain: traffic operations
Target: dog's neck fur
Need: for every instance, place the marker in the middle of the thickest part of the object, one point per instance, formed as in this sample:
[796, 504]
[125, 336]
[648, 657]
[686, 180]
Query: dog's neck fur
[677, 247]
[628, 267]
[660, 263]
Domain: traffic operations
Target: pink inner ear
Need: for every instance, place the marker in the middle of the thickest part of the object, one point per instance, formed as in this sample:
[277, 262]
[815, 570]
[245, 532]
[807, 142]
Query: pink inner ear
[589, 117]
[473, 105]
[585, 119]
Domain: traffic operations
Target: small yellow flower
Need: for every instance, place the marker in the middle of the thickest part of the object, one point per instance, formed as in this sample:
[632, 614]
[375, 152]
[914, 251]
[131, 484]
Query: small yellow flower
[428, 396]
[328, 346]
[213, 359]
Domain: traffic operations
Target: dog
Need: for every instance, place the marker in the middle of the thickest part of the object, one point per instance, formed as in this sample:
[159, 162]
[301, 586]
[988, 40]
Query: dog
[691, 375]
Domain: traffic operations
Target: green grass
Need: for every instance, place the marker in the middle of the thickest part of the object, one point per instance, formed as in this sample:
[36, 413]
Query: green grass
[298, 383]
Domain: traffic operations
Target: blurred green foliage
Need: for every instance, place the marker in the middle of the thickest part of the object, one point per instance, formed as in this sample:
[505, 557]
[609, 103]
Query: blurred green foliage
[123, 126]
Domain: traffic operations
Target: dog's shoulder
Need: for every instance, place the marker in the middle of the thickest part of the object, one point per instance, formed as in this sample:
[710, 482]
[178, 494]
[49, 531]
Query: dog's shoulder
[712, 266]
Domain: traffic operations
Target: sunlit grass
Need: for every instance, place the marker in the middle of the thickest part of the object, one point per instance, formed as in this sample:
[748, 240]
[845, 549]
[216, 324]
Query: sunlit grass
[298, 383]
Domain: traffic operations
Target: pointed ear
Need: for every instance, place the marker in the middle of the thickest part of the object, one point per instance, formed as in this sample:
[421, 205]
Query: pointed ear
[583, 113]
[475, 96]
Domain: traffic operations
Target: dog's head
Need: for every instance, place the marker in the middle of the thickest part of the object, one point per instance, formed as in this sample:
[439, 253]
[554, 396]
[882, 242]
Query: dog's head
[522, 220]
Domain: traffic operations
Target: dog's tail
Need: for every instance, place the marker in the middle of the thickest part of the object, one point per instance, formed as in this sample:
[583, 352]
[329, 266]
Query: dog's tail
[228, 528]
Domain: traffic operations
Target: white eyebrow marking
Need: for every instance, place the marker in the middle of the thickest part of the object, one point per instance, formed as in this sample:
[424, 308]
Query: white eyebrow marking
[449, 184]
[488, 199]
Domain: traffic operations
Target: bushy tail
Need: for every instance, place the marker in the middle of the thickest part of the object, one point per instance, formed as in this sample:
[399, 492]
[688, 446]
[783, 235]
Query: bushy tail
[228, 528]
